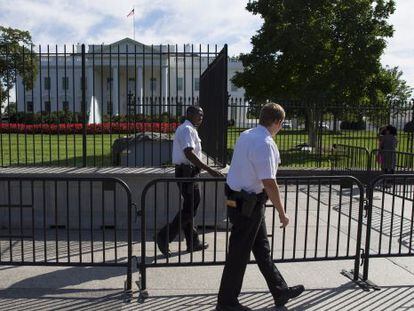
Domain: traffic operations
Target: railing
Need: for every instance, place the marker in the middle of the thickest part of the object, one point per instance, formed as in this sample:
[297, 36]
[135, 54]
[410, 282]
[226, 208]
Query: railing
[390, 218]
[396, 160]
[73, 103]
[312, 128]
[325, 222]
[349, 158]
[66, 221]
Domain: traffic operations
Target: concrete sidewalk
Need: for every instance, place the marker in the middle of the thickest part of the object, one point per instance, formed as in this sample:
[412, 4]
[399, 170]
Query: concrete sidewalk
[195, 288]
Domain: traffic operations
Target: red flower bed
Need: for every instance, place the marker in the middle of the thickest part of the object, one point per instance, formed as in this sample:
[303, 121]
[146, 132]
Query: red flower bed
[76, 128]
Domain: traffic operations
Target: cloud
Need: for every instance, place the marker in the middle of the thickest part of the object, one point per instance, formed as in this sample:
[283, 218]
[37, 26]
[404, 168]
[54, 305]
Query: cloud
[171, 21]
[400, 48]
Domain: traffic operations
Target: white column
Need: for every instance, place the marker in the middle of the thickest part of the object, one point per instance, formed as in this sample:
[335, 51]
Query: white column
[140, 90]
[164, 86]
[115, 91]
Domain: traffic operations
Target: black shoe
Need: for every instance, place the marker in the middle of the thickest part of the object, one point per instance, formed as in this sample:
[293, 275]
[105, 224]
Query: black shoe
[197, 247]
[163, 245]
[287, 294]
[237, 307]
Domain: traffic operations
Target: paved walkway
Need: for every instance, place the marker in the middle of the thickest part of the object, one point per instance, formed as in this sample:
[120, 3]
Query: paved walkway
[195, 288]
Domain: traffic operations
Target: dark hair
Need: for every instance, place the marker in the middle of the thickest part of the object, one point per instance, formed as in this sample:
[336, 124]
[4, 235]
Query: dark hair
[392, 129]
[191, 110]
[270, 113]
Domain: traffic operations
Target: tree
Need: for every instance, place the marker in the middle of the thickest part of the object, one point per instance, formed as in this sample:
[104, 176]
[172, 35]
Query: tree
[325, 53]
[16, 58]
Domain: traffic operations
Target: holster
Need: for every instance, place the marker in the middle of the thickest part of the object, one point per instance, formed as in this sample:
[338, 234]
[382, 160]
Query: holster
[249, 202]
[244, 201]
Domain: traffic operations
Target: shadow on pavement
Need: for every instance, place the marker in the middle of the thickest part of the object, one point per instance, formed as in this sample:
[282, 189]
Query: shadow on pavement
[346, 297]
[25, 295]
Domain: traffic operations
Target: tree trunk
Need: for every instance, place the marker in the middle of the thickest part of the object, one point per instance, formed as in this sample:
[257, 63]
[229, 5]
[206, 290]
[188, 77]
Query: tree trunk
[313, 128]
[335, 120]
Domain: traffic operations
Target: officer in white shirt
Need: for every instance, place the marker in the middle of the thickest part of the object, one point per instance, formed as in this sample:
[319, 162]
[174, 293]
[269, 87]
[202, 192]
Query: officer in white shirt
[187, 159]
[250, 182]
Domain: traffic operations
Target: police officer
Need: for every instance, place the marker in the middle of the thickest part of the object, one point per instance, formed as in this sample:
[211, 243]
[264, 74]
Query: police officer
[250, 182]
[187, 159]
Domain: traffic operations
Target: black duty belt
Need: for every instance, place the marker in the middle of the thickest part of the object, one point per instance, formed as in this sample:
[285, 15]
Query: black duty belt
[187, 169]
[233, 196]
[182, 165]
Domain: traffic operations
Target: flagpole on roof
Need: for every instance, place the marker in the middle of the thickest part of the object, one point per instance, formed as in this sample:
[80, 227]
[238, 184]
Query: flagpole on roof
[133, 19]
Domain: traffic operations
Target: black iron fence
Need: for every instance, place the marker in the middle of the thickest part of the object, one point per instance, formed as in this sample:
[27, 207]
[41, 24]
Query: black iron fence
[119, 104]
[67, 221]
[72, 106]
[312, 129]
[321, 211]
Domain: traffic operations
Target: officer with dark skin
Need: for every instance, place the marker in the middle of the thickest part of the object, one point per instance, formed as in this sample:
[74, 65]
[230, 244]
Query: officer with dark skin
[187, 156]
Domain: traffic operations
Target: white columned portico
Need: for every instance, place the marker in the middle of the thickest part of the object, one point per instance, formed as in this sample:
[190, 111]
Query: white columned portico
[165, 91]
[115, 91]
[140, 90]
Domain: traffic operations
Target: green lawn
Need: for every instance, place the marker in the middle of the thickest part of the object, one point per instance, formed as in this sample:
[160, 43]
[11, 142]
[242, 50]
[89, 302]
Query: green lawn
[59, 150]
[66, 150]
[288, 139]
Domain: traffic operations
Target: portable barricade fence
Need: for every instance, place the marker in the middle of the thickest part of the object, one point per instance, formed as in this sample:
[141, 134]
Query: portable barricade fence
[67, 221]
[325, 213]
[391, 161]
[390, 218]
[348, 159]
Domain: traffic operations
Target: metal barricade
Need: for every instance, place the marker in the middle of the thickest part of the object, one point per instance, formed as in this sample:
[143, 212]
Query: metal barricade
[66, 221]
[325, 213]
[390, 218]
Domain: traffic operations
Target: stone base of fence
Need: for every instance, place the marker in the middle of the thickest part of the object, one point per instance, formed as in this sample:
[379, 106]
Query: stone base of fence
[136, 179]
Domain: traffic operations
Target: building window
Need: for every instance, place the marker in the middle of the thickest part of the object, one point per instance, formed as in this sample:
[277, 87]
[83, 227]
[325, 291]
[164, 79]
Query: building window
[196, 84]
[233, 87]
[29, 106]
[109, 82]
[153, 84]
[109, 107]
[86, 83]
[180, 84]
[131, 85]
[47, 83]
[65, 83]
[65, 105]
[47, 106]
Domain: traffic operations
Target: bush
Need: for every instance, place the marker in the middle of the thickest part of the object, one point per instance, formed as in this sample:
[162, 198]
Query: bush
[66, 116]
[77, 128]
[353, 125]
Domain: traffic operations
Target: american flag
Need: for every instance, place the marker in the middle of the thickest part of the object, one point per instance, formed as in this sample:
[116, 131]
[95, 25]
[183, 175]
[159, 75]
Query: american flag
[131, 13]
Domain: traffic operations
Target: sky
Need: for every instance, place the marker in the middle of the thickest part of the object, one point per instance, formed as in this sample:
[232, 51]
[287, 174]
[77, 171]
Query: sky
[172, 22]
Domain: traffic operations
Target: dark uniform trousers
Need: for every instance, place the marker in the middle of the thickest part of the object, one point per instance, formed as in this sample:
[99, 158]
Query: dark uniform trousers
[247, 234]
[190, 192]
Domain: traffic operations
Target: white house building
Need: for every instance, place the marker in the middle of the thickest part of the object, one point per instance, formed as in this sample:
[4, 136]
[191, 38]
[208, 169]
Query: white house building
[123, 77]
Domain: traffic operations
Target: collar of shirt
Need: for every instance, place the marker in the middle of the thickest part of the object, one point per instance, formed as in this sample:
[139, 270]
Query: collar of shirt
[188, 122]
[264, 130]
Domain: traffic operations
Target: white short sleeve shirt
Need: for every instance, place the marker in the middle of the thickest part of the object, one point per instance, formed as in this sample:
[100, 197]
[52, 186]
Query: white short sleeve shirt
[186, 136]
[255, 157]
